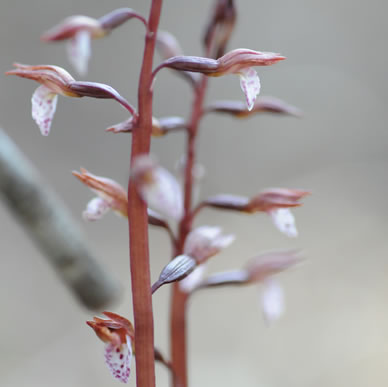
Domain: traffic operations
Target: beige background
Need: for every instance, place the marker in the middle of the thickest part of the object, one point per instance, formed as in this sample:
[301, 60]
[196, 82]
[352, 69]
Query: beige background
[335, 330]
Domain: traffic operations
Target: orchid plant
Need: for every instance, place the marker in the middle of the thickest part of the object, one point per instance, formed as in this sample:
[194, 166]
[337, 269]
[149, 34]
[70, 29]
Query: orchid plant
[154, 196]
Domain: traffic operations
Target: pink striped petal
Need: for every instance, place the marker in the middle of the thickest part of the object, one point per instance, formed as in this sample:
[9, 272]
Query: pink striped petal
[79, 51]
[250, 85]
[44, 104]
[118, 359]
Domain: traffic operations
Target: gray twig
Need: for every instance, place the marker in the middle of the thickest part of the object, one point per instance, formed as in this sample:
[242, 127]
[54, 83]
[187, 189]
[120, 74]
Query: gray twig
[52, 228]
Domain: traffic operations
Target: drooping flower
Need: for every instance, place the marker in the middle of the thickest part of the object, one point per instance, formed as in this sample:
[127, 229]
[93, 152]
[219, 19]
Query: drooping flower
[118, 335]
[206, 241]
[111, 195]
[262, 269]
[55, 80]
[157, 187]
[79, 30]
[202, 243]
[276, 202]
[239, 62]
[262, 105]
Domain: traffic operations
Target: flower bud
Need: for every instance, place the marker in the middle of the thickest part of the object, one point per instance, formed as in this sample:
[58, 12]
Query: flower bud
[262, 104]
[228, 202]
[117, 17]
[220, 26]
[177, 269]
[158, 187]
[160, 126]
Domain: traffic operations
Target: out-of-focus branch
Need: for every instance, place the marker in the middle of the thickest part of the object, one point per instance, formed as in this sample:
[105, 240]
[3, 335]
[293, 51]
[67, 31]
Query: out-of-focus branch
[52, 228]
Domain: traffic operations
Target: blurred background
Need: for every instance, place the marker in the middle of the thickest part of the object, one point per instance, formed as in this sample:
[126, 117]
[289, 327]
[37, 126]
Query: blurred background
[334, 332]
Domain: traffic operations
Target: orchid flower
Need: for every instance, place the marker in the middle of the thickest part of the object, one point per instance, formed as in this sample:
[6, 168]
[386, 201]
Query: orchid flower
[79, 30]
[202, 243]
[55, 80]
[110, 195]
[158, 187]
[262, 269]
[276, 202]
[118, 335]
[239, 62]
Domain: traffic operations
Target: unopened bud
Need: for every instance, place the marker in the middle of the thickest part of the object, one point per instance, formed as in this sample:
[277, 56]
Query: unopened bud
[262, 105]
[179, 268]
[228, 202]
[220, 26]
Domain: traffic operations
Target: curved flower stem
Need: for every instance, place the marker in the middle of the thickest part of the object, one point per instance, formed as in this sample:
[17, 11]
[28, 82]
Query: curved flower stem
[179, 298]
[138, 218]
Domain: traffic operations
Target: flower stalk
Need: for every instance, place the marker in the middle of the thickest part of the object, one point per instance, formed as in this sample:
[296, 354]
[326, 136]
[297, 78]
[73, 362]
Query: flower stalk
[138, 218]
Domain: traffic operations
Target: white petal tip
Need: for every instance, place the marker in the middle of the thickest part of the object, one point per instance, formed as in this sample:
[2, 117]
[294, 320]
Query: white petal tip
[96, 209]
[188, 284]
[79, 51]
[284, 221]
[250, 85]
[272, 302]
[44, 104]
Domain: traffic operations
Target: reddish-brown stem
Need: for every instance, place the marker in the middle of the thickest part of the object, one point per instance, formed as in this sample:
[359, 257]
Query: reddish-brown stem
[138, 218]
[179, 298]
